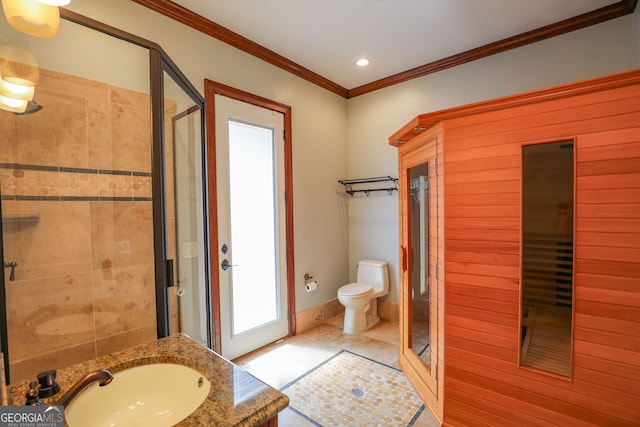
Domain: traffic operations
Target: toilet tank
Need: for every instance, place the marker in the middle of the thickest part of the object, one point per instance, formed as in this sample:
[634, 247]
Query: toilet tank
[374, 273]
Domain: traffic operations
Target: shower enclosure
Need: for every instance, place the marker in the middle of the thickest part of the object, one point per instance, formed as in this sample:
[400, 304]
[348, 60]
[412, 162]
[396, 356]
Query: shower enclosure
[102, 202]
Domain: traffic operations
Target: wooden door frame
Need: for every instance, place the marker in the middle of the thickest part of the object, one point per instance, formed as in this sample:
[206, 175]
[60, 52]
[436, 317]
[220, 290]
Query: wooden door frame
[212, 89]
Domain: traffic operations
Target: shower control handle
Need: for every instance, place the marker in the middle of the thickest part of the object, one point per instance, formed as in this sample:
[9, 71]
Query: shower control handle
[12, 265]
[225, 264]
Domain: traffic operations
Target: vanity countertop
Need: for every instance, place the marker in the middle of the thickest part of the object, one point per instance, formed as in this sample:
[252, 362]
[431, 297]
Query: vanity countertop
[236, 397]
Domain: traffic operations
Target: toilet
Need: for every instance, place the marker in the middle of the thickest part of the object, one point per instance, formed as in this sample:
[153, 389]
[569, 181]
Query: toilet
[360, 298]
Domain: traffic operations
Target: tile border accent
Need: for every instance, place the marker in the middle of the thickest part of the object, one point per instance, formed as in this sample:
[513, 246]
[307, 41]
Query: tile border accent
[72, 170]
[76, 199]
[23, 182]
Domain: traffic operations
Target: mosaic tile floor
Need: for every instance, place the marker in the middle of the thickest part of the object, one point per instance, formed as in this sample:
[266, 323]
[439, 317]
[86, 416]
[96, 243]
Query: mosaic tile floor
[349, 389]
[292, 360]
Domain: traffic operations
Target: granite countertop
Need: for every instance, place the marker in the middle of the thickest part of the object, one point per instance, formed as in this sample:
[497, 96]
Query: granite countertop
[236, 398]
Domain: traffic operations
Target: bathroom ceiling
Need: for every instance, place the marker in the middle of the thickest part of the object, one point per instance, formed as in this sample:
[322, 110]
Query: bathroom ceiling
[328, 36]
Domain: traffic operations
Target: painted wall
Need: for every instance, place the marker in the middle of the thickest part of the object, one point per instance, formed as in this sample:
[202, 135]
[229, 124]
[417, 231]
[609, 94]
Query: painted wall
[373, 226]
[336, 139]
[319, 133]
[636, 37]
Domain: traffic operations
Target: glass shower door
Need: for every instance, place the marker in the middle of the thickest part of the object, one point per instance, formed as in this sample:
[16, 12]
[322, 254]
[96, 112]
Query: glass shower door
[189, 297]
[77, 215]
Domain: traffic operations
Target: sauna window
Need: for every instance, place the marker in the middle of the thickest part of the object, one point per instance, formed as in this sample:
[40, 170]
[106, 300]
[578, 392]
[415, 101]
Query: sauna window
[547, 256]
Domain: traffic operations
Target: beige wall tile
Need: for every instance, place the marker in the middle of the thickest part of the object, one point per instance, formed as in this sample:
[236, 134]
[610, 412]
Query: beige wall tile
[56, 244]
[101, 152]
[7, 136]
[49, 314]
[56, 135]
[124, 299]
[131, 138]
[122, 233]
[126, 339]
[65, 83]
[118, 95]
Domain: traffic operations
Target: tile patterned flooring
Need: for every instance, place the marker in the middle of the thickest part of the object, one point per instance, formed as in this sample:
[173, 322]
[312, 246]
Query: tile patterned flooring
[299, 357]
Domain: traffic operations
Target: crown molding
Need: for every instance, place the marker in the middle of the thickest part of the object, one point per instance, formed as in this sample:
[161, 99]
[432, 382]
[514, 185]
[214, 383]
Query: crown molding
[206, 26]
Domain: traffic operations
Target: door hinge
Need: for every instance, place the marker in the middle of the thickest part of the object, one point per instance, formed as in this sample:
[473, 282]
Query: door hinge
[435, 165]
[437, 270]
[284, 134]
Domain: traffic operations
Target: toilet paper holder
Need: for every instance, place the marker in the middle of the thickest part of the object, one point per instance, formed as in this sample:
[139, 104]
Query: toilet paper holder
[310, 284]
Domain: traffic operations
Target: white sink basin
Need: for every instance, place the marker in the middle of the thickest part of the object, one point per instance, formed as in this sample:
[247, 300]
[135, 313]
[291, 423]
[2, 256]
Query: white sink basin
[155, 395]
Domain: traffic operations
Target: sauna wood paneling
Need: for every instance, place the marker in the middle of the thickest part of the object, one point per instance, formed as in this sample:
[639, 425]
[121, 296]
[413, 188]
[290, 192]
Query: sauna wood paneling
[484, 384]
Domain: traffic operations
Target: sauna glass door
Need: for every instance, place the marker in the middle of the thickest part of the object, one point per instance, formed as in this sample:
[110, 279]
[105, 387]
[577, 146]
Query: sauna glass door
[421, 323]
[420, 285]
[420, 264]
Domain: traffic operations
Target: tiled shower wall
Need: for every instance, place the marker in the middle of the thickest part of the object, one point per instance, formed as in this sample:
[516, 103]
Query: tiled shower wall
[77, 219]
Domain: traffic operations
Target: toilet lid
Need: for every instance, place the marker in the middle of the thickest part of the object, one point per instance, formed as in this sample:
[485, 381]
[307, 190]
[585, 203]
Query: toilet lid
[355, 290]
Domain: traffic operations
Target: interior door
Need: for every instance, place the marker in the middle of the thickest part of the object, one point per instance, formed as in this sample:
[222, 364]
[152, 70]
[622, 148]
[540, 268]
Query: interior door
[251, 226]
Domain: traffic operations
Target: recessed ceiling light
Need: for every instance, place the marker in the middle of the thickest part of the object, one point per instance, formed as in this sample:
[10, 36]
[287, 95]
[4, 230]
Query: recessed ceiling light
[362, 62]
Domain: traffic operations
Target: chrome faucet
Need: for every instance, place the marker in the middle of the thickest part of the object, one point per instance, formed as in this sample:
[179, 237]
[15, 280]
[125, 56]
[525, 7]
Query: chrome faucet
[103, 377]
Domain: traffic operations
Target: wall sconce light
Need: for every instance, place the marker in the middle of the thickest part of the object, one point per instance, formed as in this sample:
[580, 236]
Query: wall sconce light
[13, 105]
[15, 91]
[19, 74]
[39, 18]
[18, 65]
[56, 2]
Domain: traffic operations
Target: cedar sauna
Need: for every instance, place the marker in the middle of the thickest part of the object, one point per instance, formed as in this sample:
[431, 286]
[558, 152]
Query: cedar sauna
[520, 257]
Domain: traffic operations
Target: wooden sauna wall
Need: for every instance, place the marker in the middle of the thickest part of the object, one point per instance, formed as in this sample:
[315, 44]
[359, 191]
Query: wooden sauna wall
[483, 383]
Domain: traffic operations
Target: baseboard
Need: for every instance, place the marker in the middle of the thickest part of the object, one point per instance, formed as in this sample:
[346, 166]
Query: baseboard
[309, 318]
[388, 311]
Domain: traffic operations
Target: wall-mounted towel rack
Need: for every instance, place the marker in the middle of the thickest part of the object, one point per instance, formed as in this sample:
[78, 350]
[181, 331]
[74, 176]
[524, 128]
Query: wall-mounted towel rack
[349, 184]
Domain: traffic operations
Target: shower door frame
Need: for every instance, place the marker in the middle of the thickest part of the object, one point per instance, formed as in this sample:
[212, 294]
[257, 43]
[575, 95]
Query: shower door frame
[160, 63]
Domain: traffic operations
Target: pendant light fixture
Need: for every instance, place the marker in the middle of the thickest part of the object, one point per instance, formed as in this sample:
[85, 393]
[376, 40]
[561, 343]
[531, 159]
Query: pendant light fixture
[39, 18]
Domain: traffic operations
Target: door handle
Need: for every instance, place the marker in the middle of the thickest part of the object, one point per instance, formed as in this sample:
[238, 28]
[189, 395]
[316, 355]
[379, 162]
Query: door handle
[225, 264]
[168, 265]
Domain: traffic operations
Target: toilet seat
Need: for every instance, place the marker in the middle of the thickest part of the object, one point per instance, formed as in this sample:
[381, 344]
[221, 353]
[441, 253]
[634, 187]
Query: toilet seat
[354, 290]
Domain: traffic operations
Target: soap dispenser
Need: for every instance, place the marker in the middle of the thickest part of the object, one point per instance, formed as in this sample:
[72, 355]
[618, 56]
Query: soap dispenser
[48, 384]
[32, 395]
